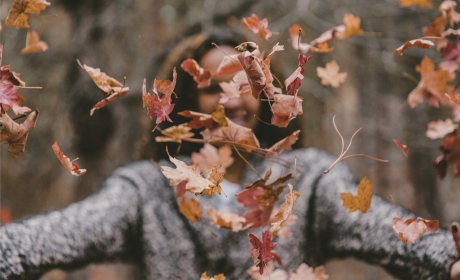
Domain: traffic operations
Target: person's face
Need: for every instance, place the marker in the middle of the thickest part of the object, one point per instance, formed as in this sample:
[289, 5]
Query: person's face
[240, 110]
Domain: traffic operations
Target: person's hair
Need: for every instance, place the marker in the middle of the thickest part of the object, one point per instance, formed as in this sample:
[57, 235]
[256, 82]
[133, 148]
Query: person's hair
[195, 47]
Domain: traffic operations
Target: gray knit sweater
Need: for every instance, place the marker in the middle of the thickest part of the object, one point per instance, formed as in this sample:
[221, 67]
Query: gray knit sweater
[135, 218]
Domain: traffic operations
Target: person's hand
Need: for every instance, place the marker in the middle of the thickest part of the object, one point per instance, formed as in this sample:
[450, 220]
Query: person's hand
[455, 270]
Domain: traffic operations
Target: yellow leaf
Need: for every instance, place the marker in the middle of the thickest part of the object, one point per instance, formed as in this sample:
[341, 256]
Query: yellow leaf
[362, 201]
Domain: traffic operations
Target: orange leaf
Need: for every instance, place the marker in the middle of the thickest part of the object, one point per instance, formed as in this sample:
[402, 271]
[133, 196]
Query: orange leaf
[69, 165]
[201, 76]
[330, 75]
[216, 277]
[362, 201]
[17, 16]
[190, 208]
[401, 146]
[175, 134]
[258, 27]
[285, 144]
[33, 43]
[424, 44]
[420, 3]
[227, 220]
[352, 27]
[216, 178]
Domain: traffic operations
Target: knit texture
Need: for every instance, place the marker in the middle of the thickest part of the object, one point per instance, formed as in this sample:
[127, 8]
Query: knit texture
[135, 218]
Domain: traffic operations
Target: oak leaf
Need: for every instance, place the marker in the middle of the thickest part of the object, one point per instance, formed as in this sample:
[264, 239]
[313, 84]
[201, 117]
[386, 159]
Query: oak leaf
[201, 76]
[69, 165]
[330, 75]
[401, 146]
[258, 27]
[175, 134]
[421, 43]
[17, 15]
[362, 201]
[210, 156]
[440, 128]
[190, 208]
[411, 230]
[261, 252]
[227, 220]
[420, 3]
[33, 43]
[285, 210]
[16, 134]
[304, 272]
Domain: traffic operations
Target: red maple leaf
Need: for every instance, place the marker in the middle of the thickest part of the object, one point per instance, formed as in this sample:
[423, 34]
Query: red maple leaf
[450, 154]
[156, 106]
[262, 252]
[295, 80]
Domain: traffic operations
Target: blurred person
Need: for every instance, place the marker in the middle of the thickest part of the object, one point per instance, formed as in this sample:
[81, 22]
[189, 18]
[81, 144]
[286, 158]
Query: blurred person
[135, 216]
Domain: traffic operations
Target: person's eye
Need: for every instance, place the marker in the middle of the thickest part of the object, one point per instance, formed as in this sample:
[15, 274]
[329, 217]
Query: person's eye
[212, 89]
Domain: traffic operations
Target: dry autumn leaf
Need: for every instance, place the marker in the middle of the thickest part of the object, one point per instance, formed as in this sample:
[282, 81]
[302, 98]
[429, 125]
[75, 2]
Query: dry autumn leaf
[258, 27]
[330, 75]
[231, 90]
[252, 67]
[285, 109]
[421, 43]
[33, 43]
[304, 272]
[352, 27]
[68, 164]
[447, 8]
[285, 210]
[190, 208]
[216, 277]
[227, 220]
[201, 76]
[294, 33]
[156, 106]
[285, 144]
[401, 146]
[16, 134]
[261, 252]
[229, 65]
[450, 149]
[216, 178]
[362, 201]
[270, 273]
[411, 230]
[210, 156]
[440, 128]
[175, 134]
[420, 3]
[17, 15]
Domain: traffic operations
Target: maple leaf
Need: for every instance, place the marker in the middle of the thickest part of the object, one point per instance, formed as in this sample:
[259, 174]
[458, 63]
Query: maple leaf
[10, 98]
[420, 3]
[450, 149]
[227, 220]
[231, 90]
[352, 27]
[401, 146]
[175, 134]
[70, 166]
[451, 56]
[362, 201]
[436, 28]
[16, 134]
[270, 273]
[285, 144]
[17, 15]
[447, 8]
[229, 65]
[33, 43]
[421, 43]
[261, 252]
[195, 182]
[156, 106]
[258, 27]
[190, 208]
[440, 128]
[330, 75]
[234, 133]
[216, 178]
[201, 76]
[304, 272]
[432, 86]
[285, 210]
[198, 119]
[285, 109]
[210, 156]
[216, 277]
[411, 230]
[253, 69]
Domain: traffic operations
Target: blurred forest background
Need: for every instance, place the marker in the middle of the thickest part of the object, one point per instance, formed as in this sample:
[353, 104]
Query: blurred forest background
[127, 37]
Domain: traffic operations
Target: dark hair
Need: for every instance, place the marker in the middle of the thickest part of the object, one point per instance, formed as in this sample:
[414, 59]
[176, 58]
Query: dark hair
[195, 47]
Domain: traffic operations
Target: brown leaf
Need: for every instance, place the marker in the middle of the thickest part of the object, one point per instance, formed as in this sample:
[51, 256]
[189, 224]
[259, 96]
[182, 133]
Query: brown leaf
[107, 84]
[285, 109]
[69, 165]
[421, 43]
[440, 128]
[258, 27]
[33, 43]
[362, 201]
[190, 208]
[216, 178]
[448, 10]
[175, 134]
[227, 220]
[286, 143]
[330, 75]
[229, 65]
[253, 69]
[352, 27]
[436, 28]
[247, 46]
[285, 210]
[16, 134]
[201, 76]
[17, 15]
[210, 156]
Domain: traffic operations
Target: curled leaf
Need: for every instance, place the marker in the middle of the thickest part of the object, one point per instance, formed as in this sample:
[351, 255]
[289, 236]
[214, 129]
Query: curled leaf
[70, 166]
[285, 210]
[258, 27]
[285, 109]
[401, 146]
[286, 143]
[17, 15]
[421, 43]
[201, 76]
[227, 220]
[16, 134]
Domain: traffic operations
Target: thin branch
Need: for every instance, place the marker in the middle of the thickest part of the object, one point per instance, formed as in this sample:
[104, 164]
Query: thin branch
[394, 204]
[247, 162]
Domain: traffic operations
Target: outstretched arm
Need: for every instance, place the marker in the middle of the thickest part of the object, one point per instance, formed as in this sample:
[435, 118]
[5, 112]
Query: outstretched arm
[100, 228]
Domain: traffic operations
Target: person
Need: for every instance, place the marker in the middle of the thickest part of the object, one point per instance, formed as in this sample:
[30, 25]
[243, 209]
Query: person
[135, 216]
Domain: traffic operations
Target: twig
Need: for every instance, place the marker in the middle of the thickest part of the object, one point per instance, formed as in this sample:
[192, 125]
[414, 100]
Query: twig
[394, 204]
[29, 87]
[247, 162]
[410, 77]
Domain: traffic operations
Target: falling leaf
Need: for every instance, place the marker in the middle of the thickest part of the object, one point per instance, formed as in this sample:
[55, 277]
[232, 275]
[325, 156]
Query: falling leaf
[216, 277]
[215, 178]
[247, 47]
[304, 272]
[231, 90]
[285, 210]
[436, 28]
[210, 156]
[71, 166]
[198, 119]
[352, 27]
[229, 65]
[261, 252]
[201, 76]
[16, 134]
[254, 73]
[5, 215]
[227, 220]
[412, 229]
[421, 43]
[190, 208]
[295, 80]
[440, 128]
[233, 133]
[447, 8]
[330, 75]
[432, 86]
[195, 182]
[110, 99]
[175, 134]
[258, 27]
[270, 273]
[286, 143]
[33, 43]
[285, 109]
[451, 56]
[450, 149]
[420, 3]
[156, 106]
[17, 15]
[362, 201]
[401, 146]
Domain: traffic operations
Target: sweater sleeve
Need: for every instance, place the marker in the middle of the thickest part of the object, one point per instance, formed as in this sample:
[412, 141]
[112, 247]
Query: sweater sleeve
[369, 237]
[101, 228]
